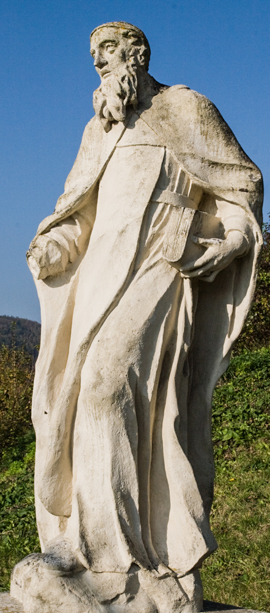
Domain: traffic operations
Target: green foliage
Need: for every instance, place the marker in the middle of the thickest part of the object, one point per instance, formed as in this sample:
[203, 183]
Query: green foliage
[241, 402]
[17, 510]
[256, 332]
[16, 385]
[20, 333]
[238, 573]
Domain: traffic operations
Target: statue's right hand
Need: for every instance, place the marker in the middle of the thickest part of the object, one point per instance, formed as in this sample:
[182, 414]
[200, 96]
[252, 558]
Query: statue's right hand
[46, 257]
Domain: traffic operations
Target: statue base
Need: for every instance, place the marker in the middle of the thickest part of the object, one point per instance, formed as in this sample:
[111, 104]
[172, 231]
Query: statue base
[12, 605]
[39, 588]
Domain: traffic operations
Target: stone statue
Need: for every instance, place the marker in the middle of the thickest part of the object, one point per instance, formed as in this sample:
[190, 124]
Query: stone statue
[145, 273]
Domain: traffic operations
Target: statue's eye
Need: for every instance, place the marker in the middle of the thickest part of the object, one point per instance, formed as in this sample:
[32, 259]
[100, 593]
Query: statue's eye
[110, 47]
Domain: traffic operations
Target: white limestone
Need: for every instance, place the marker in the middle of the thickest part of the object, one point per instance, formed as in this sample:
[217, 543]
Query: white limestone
[145, 273]
[12, 605]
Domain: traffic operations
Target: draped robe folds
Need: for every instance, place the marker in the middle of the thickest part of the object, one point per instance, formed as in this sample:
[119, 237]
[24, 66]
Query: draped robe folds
[149, 459]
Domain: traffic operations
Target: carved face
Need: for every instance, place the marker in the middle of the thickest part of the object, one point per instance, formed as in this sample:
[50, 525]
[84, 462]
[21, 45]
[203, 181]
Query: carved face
[109, 50]
[117, 54]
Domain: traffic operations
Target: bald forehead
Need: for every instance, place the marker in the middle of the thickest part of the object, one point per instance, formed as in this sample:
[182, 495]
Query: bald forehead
[105, 34]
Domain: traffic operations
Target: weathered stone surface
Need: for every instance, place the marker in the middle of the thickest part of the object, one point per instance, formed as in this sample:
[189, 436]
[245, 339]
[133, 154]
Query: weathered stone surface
[145, 273]
[11, 605]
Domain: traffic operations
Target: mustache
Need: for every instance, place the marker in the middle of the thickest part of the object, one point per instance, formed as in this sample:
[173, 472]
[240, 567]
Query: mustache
[118, 89]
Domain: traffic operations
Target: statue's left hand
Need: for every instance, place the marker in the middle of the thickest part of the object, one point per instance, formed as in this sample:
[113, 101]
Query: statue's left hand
[218, 255]
[46, 257]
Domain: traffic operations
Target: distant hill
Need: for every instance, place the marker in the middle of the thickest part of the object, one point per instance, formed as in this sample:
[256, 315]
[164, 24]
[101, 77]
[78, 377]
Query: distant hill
[23, 332]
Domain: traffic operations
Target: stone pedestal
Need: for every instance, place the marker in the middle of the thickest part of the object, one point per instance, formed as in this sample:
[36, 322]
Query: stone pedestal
[9, 604]
[52, 583]
[12, 605]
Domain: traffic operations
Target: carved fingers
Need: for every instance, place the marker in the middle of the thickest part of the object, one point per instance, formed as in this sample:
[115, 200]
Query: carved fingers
[46, 257]
[217, 256]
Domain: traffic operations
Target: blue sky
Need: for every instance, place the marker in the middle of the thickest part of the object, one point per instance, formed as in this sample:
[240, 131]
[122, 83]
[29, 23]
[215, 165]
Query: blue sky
[219, 48]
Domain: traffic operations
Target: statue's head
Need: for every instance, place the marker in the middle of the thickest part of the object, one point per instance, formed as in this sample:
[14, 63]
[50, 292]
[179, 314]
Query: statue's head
[121, 52]
[117, 42]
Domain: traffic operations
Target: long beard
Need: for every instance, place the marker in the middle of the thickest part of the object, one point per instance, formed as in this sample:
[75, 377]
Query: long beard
[117, 90]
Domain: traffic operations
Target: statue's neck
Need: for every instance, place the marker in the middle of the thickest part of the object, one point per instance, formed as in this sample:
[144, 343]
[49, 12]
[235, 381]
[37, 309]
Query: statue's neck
[147, 88]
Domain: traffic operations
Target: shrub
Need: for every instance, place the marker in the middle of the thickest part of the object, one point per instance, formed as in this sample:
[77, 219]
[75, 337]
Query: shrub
[241, 402]
[256, 332]
[16, 385]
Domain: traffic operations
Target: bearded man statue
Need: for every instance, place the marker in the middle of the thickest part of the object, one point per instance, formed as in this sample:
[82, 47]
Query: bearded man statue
[145, 273]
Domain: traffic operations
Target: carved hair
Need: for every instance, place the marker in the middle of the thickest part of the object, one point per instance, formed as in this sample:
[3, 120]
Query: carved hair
[127, 30]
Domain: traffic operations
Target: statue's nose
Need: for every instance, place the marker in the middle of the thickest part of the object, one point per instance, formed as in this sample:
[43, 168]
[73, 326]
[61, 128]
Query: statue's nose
[99, 61]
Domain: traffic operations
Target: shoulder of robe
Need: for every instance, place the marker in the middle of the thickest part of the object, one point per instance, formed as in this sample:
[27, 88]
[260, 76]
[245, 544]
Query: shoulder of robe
[191, 126]
[89, 152]
[190, 114]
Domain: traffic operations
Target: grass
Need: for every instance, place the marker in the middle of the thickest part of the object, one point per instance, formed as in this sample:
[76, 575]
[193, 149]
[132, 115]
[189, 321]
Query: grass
[241, 403]
[239, 572]
[17, 510]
